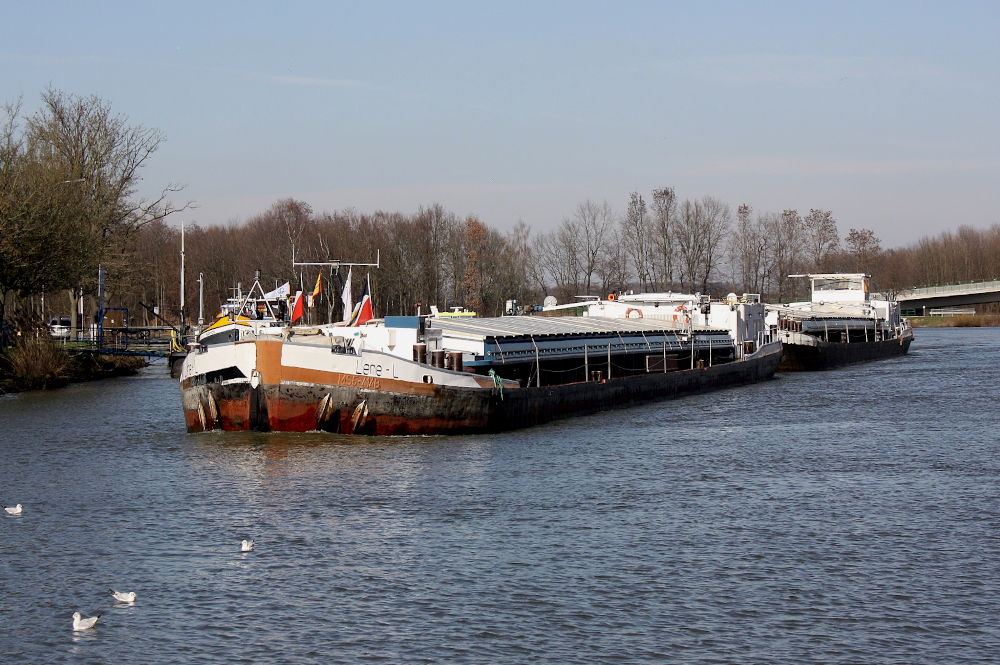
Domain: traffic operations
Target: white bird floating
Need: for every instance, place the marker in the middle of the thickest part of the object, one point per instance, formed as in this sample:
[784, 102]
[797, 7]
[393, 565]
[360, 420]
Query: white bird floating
[16, 510]
[247, 546]
[79, 623]
[123, 597]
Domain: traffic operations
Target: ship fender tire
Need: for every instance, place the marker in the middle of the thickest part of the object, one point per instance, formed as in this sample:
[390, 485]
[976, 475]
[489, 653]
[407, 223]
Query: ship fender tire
[360, 416]
[213, 410]
[323, 410]
[201, 417]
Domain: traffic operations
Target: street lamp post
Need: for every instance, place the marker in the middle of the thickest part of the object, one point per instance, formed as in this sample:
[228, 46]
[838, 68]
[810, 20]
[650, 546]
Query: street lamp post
[76, 313]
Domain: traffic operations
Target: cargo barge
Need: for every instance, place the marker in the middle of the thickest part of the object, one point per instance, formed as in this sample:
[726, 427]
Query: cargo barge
[842, 324]
[452, 375]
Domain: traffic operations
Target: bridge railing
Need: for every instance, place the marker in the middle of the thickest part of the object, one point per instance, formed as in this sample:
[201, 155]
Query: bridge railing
[946, 289]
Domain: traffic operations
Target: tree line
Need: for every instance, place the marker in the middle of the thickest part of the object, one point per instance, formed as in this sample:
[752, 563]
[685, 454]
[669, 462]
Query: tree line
[435, 257]
[432, 257]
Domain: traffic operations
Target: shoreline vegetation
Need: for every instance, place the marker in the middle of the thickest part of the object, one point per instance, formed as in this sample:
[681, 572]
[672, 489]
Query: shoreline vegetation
[41, 364]
[960, 321]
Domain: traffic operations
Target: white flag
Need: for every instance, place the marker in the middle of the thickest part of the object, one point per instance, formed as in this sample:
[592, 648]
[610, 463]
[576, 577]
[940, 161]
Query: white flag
[280, 292]
[345, 297]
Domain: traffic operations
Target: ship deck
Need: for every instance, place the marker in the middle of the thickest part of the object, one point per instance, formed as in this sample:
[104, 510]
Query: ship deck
[513, 339]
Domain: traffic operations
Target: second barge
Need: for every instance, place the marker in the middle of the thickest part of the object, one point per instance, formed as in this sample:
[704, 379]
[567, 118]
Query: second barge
[841, 325]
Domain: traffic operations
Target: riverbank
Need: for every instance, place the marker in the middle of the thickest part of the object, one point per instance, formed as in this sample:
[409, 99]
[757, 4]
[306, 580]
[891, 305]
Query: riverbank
[45, 365]
[962, 321]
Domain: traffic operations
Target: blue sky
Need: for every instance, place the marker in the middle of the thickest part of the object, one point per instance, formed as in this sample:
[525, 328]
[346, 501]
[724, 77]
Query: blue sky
[885, 113]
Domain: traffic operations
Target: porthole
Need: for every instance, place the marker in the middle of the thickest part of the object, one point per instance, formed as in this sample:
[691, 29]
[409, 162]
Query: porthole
[428, 378]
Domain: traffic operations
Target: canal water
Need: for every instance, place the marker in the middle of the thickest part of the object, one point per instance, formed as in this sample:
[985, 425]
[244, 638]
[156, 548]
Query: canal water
[848, 516]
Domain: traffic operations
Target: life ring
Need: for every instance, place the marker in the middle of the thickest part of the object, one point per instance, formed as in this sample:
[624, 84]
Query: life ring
[611, 296]
[682, 308]
[633, 309]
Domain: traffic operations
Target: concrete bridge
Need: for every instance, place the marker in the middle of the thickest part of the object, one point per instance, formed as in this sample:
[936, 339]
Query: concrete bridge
[918, 302]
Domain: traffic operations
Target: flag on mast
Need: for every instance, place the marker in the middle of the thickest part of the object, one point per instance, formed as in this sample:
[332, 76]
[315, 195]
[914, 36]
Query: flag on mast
[297, 309]
[345, 297]
[364, 308]
[280, 292]
[311, 298]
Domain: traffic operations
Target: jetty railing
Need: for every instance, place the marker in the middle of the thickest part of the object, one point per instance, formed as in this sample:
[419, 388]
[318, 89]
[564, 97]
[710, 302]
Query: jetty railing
[949, 289]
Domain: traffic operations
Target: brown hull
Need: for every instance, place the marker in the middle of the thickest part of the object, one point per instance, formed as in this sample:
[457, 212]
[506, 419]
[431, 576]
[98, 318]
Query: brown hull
[303, 406]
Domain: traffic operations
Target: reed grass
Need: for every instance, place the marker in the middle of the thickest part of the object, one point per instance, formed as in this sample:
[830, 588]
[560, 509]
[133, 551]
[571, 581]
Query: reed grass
[960, 321]
[37, 363]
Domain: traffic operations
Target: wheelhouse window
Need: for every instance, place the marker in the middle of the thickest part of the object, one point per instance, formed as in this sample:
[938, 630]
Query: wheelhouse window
[839, 284]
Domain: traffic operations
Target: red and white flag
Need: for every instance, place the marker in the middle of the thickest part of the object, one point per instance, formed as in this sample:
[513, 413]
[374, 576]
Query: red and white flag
[364, 312]
[297, 309]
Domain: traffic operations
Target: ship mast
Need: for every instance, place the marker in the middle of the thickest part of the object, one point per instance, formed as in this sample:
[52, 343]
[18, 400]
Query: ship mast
[336, 265]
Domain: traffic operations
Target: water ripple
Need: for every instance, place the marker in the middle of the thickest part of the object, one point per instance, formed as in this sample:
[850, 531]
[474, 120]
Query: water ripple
[850, 516]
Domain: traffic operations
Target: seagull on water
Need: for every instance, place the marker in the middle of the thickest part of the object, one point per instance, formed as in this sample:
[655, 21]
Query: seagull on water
[16, 510]
[123, 597]
[79, 623]
[247, 546]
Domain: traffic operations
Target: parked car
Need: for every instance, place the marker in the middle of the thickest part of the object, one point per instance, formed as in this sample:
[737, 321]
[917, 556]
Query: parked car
[61, 328]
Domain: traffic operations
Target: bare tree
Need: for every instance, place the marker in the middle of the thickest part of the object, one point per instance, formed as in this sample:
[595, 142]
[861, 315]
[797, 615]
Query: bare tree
[822, 239]
[664, 224]
[525, 276]
[559, 254]
[80, 138]
[593, 222]
[786, 236]
[744, 250]
[475, 246]
[864, 249]
[635, 233]
[767, 225]
[701, 228]
[689, 247]
[295, 217]
[715, 218]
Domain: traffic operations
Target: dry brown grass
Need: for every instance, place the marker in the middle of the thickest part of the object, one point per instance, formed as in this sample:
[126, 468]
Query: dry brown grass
[36, 362]
[962, 321]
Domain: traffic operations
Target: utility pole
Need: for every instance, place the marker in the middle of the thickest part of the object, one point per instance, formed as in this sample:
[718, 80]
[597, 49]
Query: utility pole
[201, 300]
[182, 276]
[100, 305]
